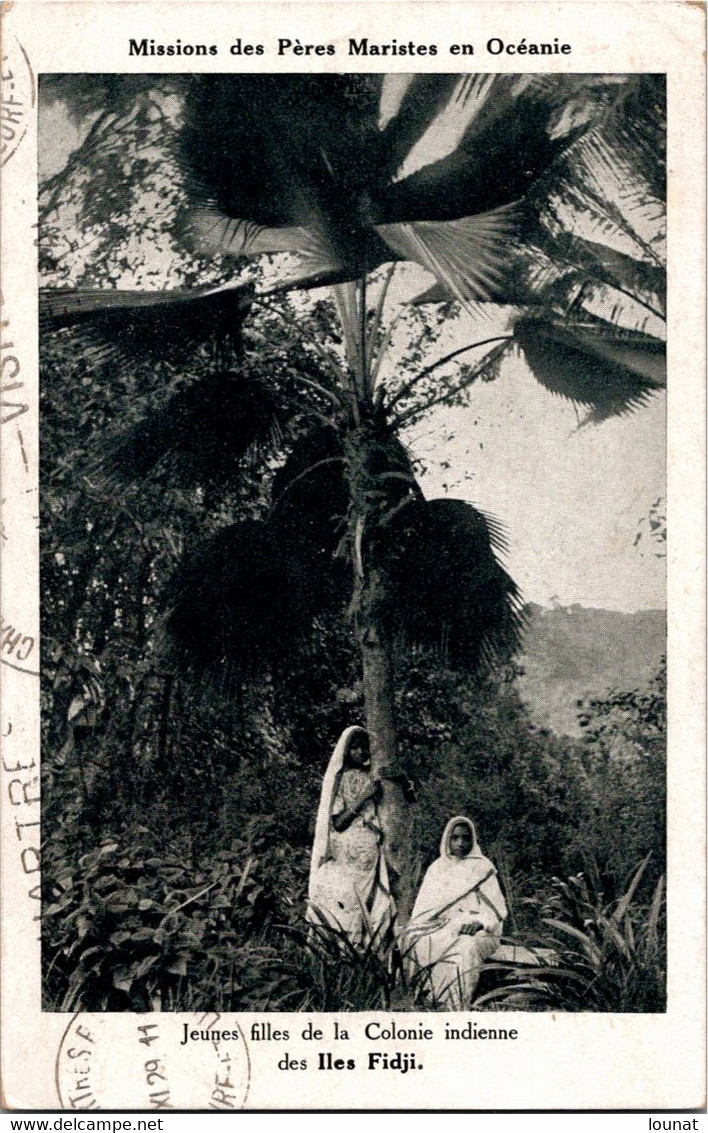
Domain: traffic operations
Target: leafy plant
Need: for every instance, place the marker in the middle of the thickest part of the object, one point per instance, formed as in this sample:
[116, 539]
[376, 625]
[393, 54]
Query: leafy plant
[624, 767]
[323, 970]
[136, 929]
[607, 956]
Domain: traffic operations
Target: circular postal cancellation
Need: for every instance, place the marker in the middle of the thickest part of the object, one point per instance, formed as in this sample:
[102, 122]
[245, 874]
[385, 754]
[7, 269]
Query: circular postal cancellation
[18, 95]
[153, 1062]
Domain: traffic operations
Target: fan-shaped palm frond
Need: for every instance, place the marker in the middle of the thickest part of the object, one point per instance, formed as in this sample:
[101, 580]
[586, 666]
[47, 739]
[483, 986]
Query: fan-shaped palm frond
[467, 255]
[283, 151]
[244, 602]
[450, 591]
[249, 596]
[633, 141]
[593, 363]
[550, 269]
[299, 163]
[198, 435]
[508, 131]
[639, 278]
[309, 492]
[140, 326]
[312, 165]
[615, 174]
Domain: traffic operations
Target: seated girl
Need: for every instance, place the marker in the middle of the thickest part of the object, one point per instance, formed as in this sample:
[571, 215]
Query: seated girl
[457, 918]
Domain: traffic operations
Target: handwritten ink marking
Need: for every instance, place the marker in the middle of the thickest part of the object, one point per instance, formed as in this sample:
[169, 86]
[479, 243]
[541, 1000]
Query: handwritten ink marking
[22, 449]
[13, 641]
[155, 1071]
[75, 1087]
[19, 668]
[17, 99]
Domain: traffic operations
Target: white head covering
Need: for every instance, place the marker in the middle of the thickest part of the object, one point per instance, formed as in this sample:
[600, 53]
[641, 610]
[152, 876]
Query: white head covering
[320, 844]
[457, 921]
[459, 820]
[368, 906]
[449, 878]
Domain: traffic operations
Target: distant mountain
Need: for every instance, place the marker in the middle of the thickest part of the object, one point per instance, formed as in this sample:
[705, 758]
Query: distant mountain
[571, 653]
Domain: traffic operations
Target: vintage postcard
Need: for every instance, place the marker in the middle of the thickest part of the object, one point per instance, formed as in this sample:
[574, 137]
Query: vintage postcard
[352, 556]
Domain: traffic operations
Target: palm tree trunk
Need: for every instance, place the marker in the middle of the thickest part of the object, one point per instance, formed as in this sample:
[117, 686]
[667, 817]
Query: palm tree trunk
[369, 605]
[379, 705]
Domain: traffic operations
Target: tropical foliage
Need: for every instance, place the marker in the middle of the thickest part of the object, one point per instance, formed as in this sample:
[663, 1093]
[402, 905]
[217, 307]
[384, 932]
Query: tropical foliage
[251, 441]
[596, 955]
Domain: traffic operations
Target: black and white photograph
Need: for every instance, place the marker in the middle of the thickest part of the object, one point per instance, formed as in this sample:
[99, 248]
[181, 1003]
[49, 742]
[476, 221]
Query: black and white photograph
[352, 540]
[352, 658]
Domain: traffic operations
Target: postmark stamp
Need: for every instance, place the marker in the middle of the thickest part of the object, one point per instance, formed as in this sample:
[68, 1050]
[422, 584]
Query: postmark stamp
[18, 94]
[18, 644]
[153, 1062]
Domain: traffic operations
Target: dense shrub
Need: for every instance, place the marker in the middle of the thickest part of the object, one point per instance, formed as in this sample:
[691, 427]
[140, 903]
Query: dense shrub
[624, 779]
[136, 925]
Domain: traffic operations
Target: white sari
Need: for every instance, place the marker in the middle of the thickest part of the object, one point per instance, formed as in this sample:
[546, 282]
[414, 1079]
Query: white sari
[349, 887]
[454, 893]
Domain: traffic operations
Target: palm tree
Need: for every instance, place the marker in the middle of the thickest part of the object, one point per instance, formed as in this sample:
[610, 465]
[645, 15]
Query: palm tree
[480, 179]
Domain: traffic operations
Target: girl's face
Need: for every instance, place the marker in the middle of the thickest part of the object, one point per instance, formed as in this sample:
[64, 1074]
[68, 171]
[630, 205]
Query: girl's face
[359, 752]
[460, 840]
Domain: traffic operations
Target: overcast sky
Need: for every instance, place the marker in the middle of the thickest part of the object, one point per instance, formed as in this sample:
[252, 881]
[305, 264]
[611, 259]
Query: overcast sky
[571, 499]
[570, 496]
